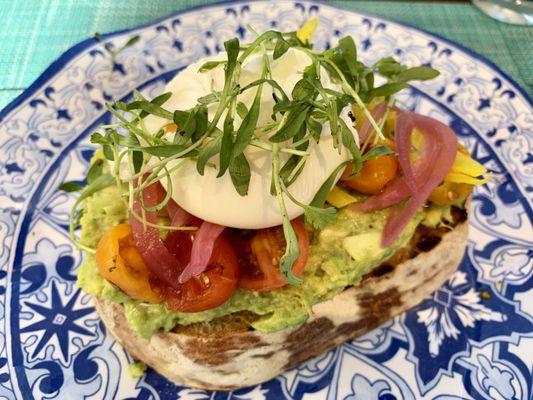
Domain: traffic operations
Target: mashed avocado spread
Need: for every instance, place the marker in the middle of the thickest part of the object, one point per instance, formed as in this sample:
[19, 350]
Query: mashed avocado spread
[339, 256]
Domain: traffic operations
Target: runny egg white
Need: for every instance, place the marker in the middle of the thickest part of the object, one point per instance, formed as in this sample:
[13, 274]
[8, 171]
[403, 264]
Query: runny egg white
[215, 199]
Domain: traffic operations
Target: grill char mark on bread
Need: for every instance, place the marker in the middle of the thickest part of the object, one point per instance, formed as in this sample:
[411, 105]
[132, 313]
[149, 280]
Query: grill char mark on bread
[227, 359]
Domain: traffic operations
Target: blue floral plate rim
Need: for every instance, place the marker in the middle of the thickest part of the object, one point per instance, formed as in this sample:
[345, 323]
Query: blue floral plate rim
[301, 379]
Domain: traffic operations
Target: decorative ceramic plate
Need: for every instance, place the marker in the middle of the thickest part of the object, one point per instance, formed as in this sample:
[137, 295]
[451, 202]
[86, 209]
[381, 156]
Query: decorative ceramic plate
[473, 339]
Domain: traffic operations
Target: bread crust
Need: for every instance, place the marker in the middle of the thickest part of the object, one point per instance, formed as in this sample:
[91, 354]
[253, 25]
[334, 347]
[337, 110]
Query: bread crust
[239, 359]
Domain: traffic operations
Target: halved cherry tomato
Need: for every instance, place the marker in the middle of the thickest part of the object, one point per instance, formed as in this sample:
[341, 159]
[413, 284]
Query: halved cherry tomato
[120, 262]
[179, 243]
[208, 290]
[375, 174]
[259, 256]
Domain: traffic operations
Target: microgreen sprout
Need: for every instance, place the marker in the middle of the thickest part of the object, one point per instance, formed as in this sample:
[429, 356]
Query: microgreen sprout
[297, 118]
[113, 51]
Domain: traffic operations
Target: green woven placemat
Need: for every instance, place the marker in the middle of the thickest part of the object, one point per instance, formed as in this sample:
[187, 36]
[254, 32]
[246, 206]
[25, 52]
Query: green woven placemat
[34, 33]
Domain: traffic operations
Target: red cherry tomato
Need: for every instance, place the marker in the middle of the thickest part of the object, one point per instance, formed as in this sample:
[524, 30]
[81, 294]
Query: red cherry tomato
[211, 288]
[260, 252]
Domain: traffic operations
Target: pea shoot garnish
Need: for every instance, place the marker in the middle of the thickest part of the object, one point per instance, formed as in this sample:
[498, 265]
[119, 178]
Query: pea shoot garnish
[295, 126]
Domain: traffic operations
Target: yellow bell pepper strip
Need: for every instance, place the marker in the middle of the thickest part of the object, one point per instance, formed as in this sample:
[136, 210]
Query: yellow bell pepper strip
[307, 31]
[340, 198]
[466, 170]
[459, 182]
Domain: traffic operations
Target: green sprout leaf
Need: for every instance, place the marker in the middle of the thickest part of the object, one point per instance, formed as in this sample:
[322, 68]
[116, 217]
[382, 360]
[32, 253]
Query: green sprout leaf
[303, 90]
[275, 85]
[232, 48]
[239, 171]
[108, 152]
[264, 37]
[201, 122]
[149, 108]
[137, 156]
[388, 89]
[349, 142]
[242, 110]
[95, 171]
[295, 120]
[421, 73]
[320, 217]
[138, 159]
[209, 98]
[226, 147]
[98, 138]
[389, 69]
[208, 66]
[131, 41]
[180, 117]
[314, 127]
[207, 152]
[158, 101]
[186, 127]
[349, 53]
[164, 150]
[292, 250]
[281, 48]
[378, 151]
[248, 126]
[320, 196]
[70, 187]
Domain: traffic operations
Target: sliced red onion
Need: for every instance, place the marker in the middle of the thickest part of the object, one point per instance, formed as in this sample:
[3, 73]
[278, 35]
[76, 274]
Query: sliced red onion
[403, 130]
[202, 248]
[367, 129]
[178, 216]
[172, 208]
[445, 142]
[399, 190]
[153, 251]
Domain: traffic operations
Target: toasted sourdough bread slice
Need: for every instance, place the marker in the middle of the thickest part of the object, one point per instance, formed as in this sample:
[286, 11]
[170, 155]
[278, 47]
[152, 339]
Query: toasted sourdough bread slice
[231, 358]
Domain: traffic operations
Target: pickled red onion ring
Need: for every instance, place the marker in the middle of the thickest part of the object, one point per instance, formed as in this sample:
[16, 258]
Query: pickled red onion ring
[403, 129]
[398, 190]
[202, 248]
[436, 160]
[153, 251]
[178, 216]
[367, 129]
[443, 142]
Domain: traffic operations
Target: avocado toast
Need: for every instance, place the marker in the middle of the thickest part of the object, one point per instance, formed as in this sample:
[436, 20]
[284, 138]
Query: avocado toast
[271, 204]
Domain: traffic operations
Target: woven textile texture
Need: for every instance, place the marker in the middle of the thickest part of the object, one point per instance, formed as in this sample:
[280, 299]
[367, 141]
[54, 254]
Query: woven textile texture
[34, 33]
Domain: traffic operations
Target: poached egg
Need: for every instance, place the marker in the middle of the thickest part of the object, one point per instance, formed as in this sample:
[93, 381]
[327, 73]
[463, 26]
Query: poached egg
[215, 199]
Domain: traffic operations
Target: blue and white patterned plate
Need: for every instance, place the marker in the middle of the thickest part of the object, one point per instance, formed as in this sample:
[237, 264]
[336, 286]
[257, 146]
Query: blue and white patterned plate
[473, 339]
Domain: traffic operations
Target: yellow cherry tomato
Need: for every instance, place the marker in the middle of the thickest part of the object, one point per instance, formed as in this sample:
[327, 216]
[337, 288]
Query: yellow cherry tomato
[375, 174]
[120, 262]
